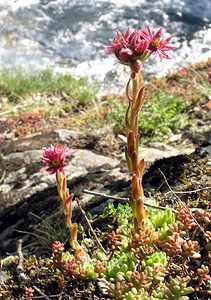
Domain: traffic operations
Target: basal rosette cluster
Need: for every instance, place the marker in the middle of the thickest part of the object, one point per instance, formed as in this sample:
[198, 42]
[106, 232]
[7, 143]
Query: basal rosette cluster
[133, 48]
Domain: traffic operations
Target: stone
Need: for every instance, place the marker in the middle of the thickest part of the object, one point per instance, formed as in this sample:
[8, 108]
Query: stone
[24, 175]
[19, 175]
[158, 150]
[151, 154]
[199, 135]
[175, 138]
[90, 160]
[5, 188]
[65, 135]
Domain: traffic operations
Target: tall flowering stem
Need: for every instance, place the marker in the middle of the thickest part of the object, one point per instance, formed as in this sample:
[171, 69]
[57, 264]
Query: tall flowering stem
[54, 158]
[135, 93]
[131, 49]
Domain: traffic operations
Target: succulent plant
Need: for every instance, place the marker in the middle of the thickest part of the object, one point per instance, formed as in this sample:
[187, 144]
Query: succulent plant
[156, 258]
[162, 217]
[114, 240]
[185, 217]
[133, 294]
[121, 262]
[203, 275]
[176, 288]
[173, 244]
[142, 242]
[191, 249]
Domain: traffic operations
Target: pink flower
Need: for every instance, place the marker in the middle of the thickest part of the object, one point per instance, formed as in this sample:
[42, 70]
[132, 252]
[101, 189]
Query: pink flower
[54, 158]
[129, 48]
[155, 44]
[133, 48]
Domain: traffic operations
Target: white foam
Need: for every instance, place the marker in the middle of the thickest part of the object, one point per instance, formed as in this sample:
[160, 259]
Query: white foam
[66, 34]
[17, 4]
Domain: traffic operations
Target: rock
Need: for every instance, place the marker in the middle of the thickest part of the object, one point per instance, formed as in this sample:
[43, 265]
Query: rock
[175, 138]
[24, 176]
[199, 135]
[26, 188]
[23, 158]
[4, 189]
[117, 174]
[18, 176]
[73, 139]
[90, 160]
[66, 135]
[158, 150]
[151, 154]
[39, 195]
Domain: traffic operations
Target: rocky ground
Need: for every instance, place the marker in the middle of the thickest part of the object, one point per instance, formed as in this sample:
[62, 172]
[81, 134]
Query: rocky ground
[25, 188]
[28, 195]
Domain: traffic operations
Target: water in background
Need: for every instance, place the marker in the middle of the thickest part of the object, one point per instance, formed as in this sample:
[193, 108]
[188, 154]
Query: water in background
[69, 35]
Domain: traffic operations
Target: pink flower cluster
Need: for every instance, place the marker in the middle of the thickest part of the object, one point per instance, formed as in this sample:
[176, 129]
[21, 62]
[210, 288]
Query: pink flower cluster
[133, 48]
[54, 158]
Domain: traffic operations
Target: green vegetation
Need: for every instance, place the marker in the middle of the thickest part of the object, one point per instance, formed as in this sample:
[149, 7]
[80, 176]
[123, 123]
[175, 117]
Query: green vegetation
[171, 103]
[18, 85]
[134, 266]
[162, 112]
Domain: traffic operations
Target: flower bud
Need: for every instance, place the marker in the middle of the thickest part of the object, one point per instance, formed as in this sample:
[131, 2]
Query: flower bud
[125, 54]
[136, 66]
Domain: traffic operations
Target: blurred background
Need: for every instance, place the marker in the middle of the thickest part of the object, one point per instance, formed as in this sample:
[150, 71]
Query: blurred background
[69, 36]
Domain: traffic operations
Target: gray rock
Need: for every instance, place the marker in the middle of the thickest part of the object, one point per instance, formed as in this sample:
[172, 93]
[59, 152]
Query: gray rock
[23, 158]
[158, 150]
[25, 176]
[89, 160]
[199, 134]
[66, 135]
[152, 154]
[5, 188]
[19, 175]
